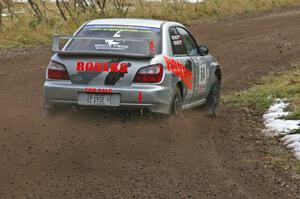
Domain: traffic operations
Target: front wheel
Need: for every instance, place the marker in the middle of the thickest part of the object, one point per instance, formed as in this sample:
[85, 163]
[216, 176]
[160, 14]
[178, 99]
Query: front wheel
[213, 97]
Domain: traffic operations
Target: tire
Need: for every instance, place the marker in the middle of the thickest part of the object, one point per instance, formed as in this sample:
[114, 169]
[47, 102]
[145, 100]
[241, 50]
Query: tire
[176, 102]
[213, 97]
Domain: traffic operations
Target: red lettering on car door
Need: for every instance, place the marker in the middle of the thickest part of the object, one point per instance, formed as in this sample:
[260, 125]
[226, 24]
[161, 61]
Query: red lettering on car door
[179, 70]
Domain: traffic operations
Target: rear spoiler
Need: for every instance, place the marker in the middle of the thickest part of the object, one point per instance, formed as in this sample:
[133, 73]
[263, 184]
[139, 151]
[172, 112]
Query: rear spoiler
[65, 51]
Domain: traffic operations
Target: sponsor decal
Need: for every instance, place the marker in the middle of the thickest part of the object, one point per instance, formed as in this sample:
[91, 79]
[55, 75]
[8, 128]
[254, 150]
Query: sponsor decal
[123, 28]
[117, 34]
[87, 71]
[113, 77]
[180, 71]
[111, 44]
[140, 97]
[202, 78]
[175, 37]
[102, 67]
[98, 90]
[202, 74]
[177, 42]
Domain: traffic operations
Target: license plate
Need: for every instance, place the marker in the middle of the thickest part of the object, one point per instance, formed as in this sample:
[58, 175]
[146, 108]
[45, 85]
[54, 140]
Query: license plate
[94, 99]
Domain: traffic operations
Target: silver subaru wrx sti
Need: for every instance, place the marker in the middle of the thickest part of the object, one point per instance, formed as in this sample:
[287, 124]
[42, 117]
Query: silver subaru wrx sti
[132, 63]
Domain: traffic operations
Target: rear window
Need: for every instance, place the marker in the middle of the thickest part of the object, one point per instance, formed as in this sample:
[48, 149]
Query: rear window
[118, 38]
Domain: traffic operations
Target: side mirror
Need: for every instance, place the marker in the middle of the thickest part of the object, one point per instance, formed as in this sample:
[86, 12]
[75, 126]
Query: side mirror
[203, 50]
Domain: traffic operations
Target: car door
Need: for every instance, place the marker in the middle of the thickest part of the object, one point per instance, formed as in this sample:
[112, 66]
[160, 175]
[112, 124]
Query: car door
[200, 63]
[182, 59]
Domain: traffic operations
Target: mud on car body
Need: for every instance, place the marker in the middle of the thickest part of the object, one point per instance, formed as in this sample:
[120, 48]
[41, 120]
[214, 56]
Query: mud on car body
[132, 63]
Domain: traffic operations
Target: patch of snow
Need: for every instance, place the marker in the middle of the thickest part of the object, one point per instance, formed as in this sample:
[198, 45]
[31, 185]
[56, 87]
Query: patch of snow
[276, 126]
[292, 142]
[273, 122]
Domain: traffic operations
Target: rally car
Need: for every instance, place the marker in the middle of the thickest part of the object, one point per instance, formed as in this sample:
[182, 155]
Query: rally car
[132, 63]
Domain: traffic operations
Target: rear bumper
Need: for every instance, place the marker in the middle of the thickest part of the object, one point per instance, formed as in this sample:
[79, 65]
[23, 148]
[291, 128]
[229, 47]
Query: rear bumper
[157, 98]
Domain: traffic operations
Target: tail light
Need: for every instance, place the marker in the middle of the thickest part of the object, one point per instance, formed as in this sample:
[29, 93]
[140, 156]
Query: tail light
[149, 74]
[57, 70]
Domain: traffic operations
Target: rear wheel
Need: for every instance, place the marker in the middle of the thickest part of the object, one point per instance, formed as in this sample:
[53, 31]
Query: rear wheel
[176, 102]
[213, 97]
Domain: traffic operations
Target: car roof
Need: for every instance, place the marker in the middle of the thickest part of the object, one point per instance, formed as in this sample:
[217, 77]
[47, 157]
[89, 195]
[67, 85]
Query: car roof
[131, 22]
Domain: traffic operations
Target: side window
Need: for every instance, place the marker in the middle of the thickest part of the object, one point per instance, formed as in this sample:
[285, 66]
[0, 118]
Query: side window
[189, 43]
[177, 43]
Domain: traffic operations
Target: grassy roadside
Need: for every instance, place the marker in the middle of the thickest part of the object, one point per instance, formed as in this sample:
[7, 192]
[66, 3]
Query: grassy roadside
[259, 97]
[24, 30]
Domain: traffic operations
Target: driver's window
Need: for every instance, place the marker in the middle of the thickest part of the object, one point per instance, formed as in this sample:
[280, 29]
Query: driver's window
[189, 43]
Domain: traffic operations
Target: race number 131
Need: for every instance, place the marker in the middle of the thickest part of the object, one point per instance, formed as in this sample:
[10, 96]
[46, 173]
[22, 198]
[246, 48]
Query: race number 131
[202, 74]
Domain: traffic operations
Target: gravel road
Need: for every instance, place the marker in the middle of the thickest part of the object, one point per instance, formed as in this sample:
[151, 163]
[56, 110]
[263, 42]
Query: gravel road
[99, 154]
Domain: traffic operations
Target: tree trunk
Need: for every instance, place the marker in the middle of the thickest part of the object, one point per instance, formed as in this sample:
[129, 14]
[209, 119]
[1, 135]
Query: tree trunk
[121, 7]
[1, 11]
[8, 5]
[61, 10]
[36, 10]
[102, 6]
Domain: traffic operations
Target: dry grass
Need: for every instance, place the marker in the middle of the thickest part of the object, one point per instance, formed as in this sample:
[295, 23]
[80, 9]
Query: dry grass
[25, 30]
[260, 97]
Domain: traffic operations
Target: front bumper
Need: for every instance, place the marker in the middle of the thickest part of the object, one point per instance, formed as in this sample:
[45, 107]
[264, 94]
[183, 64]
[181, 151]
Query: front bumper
[156, 98]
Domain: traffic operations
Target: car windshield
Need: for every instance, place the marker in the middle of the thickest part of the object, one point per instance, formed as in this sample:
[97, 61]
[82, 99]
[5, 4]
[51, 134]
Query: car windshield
[118, 38]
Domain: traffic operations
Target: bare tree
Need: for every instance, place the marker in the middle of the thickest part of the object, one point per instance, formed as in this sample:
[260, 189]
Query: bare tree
[36, 9]
[67, 10]
[1, 11]
[121, 7]
[61, 10]
[83, 5]
[8, 4]
[44, 9]
[102, 6]
[91, 4]
[141, 4]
